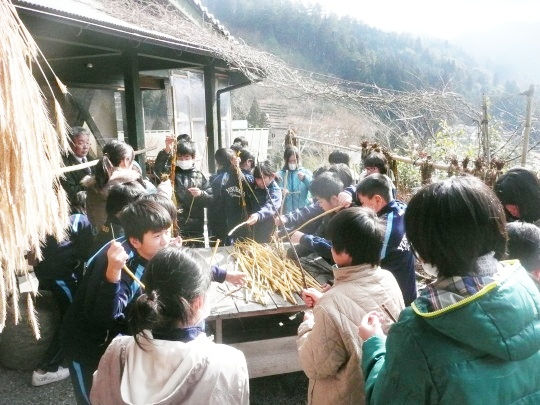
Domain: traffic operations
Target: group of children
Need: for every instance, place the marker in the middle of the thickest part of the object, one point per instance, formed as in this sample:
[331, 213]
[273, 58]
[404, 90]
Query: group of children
[469, 335]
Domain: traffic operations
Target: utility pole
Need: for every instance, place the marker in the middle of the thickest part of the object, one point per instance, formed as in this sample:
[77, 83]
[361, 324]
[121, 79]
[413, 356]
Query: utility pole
[485, 132]
[527, 127]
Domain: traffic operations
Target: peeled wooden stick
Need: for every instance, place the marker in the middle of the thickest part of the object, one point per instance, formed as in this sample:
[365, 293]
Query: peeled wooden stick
[315, 218]
[130, 273]
[388, 313]
[236, 227]
[126, 268]
[214, 251]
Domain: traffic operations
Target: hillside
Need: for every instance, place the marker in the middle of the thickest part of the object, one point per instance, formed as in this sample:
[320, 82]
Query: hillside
[307, 38]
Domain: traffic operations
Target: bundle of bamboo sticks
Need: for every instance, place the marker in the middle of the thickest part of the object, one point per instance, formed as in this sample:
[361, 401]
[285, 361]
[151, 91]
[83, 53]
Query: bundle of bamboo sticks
[268, 270]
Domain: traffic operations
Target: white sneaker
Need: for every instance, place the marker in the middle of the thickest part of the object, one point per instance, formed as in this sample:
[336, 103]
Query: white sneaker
[42, 378]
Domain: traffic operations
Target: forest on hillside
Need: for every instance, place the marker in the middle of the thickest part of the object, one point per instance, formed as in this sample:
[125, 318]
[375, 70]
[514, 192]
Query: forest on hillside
[308, 38]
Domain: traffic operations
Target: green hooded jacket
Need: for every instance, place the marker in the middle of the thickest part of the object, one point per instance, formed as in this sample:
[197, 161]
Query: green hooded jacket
[482, 349]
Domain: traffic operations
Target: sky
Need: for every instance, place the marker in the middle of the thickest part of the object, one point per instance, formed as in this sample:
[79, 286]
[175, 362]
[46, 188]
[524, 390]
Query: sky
[434, 18]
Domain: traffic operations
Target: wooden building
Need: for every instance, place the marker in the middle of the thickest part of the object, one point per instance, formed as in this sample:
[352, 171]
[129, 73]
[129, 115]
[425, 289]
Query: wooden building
[126, 79]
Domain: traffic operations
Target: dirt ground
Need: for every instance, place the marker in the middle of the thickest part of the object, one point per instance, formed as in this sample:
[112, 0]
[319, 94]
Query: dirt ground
[15, 389]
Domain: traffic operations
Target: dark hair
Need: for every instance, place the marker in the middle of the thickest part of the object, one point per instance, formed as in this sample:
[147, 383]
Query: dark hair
[519, 186]
[241, 140]
[263, 168]
[453, 222]
[77, 131]
[183, 138]
[320, 170]
[236, 148]
[79, 205]
[245, 155]
[143, 216]
[375, 183]
[120, 195]
[223, 157]
[173, 279]
[355, 224]
[378, 160]
[113, 153]
[185, 148]
[343, 172]
[164, 201]
[326, 185]
[291, 151]
[338, 156]
[524, 244]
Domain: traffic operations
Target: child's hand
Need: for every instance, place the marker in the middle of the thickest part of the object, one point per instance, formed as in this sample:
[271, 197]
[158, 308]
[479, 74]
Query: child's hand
[280, 220]
[116, 259]
[169, 142]
[301, 175]
[371, 325]
[296, 236]
[344, 199]
[195, 191]
[308, 315]
[311, 296]
[235, 277]
[252, 220]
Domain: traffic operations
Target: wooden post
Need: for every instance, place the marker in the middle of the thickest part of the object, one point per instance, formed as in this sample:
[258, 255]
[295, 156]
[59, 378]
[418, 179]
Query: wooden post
[527, 127]
[134, 108]
[485, 132]
[210, 102]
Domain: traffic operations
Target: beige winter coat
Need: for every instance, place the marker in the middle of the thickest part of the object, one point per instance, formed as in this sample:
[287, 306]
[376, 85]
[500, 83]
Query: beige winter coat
[329, 348]
[170, 373]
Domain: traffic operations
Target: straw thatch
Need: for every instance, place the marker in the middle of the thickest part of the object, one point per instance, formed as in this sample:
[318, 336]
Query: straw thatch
[32, 203]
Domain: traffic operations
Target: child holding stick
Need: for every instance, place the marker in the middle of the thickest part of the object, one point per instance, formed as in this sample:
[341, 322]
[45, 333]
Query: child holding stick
[328, 347]
[98, 312]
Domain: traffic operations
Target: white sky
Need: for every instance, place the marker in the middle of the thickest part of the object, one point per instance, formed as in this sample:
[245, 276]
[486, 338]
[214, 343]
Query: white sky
[436, 18]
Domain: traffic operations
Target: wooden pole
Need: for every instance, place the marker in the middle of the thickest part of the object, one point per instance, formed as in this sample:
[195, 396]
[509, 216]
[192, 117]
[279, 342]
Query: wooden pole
[485, 132]
[527, 128]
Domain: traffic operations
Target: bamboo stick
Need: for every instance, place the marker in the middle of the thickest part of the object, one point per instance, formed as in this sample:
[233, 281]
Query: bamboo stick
[316, 218]
[236, 227]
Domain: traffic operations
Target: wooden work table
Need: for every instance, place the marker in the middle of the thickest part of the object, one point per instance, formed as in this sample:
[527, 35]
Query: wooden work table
[264, 357]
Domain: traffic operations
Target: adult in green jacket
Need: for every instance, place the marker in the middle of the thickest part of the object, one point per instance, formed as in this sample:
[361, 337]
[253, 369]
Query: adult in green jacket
[473, 335]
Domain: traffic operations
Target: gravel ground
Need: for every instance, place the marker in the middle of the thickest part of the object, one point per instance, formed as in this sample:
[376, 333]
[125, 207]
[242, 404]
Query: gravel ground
[15, 389]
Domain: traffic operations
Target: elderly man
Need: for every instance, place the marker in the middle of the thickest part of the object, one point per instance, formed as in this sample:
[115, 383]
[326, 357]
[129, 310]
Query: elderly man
[80, 144]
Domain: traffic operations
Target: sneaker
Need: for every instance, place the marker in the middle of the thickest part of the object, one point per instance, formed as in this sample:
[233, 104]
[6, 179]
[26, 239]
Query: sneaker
[42, 378]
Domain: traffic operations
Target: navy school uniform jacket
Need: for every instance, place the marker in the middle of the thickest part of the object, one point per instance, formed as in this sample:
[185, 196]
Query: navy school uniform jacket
[264, 203]
[99, 311]
[62, 259]
[396, 254]
[217, 221]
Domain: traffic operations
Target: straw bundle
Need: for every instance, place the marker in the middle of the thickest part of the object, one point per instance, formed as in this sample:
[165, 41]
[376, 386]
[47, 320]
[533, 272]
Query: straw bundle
[32, 203]
[269, 271]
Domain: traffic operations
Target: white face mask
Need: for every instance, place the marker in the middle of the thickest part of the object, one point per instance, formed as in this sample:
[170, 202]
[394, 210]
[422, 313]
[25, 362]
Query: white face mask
[430, 269]
[184, 164]
[292, 166]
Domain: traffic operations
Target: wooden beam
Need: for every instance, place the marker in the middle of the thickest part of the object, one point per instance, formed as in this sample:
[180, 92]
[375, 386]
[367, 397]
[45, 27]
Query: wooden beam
[134, 108]
[210, 103]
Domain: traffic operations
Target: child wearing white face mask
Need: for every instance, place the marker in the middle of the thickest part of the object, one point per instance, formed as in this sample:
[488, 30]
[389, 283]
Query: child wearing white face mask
[294, 181]
[193, 193]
